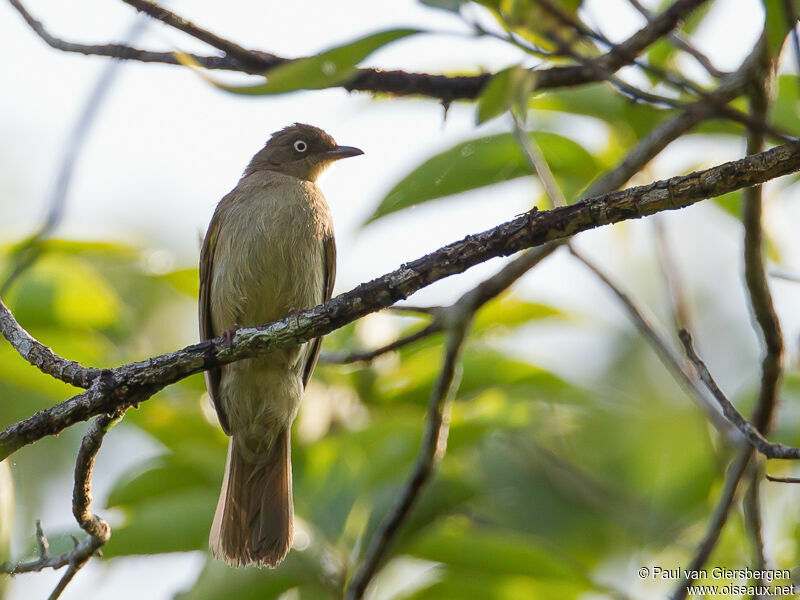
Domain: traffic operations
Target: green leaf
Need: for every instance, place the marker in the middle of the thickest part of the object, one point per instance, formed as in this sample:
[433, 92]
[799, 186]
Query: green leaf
[323, 70]
[484, 161]
[301, 570]
[449, 5]
[507, 312]
[173, 522]
[459, 543]
[785, 110]
[535, 23]
[629, 121]
[67, 291]
[731, 203]
[506, 89]
[483, 368]
[776, 25]
[184, 280]
[163, 475]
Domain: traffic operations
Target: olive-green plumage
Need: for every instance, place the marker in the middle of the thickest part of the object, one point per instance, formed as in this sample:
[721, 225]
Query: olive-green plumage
[269, 250]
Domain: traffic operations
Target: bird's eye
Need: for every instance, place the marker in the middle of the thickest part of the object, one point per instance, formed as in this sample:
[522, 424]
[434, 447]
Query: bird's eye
[300, 146]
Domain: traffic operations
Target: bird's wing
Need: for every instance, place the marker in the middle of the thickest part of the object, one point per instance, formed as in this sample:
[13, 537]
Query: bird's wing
[330, 277]
[204, 308]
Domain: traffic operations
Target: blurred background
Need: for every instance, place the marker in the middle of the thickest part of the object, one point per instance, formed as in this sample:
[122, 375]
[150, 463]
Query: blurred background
[574, 458]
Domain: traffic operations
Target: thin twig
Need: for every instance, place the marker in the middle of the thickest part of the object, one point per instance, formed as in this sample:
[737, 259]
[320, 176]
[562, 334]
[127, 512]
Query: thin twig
[751, 503]
[97, 529]
[676, 80]
[672, 280]
[367, 356]
[433, 446]
[433, 311]
[673, 363]
[663, 134]
[442, 87]
[785, 275]
[715, 523]
[232, 49]
[29, 250]
[782, 479]
[457, 319]
[538, 164]
[766, 319]
[758, 84]
[750, 432]
[677, 39]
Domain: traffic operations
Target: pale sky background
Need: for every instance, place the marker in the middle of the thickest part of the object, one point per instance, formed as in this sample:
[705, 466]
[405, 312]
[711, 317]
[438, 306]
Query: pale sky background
[167, 146]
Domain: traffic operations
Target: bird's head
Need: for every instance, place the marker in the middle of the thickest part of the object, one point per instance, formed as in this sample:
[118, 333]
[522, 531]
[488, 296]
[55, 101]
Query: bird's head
[301, 150]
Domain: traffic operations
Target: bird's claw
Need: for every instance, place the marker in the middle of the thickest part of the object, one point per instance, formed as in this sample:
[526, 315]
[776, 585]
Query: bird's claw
[229, 334]
[294, 312]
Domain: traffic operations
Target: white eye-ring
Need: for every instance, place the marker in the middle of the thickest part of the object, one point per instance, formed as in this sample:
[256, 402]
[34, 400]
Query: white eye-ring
[300, 146]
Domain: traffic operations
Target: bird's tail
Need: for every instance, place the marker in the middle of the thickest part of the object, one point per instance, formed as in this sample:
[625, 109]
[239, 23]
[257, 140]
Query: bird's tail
[254, 521]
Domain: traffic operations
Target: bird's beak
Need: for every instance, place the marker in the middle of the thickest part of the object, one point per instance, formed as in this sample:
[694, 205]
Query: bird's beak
[343, 152]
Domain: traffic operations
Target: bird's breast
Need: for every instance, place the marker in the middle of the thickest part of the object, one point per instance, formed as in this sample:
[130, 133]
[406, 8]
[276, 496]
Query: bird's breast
[270, 255]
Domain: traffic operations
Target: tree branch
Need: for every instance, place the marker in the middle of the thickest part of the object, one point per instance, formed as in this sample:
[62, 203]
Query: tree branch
[677, 40]
[456, 319]
[42, 357]
[751, 503]
[718, 519]
[660, 345]
[242, 55]
[29, 250]
[758, 84]
[367, 356]
[679, 307]
[750, 432]
[130, 384]
[663, 134]
[443, 87]
[782, 479]
[97, 529]
[766, 319]
[434, 443]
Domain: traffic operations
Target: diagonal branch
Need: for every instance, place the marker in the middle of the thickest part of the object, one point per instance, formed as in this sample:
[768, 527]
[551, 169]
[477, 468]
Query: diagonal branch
[434, 443]
[660, 345]
[367, 356]
[42, 357]
[750, 432]
[678, 40]
[443, 87]
[715, 524]
[130, 384]
[30, 249]
[456, 319]
[242, 55]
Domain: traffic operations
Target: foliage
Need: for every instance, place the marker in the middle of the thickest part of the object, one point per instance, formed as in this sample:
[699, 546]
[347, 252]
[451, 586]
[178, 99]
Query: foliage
[547, 484]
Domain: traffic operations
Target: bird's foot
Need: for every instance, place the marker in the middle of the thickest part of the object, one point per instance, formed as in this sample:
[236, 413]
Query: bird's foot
[229, 334]
[295, 312]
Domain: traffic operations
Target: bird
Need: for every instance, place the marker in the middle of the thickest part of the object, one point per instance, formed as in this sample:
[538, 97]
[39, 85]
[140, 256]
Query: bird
[269, 252]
